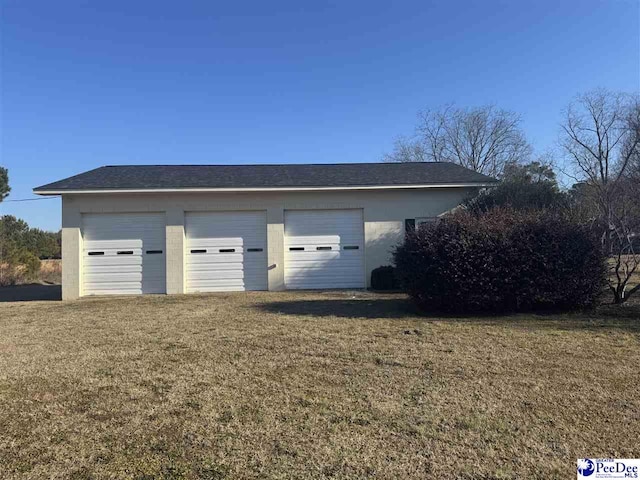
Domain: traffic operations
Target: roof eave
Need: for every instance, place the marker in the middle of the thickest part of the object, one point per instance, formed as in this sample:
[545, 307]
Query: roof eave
[40, 191]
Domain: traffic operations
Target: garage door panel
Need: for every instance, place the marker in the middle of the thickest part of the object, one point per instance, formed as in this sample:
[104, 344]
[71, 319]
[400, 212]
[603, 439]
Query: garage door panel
[304, 278]
[205, 266]
[220, 275]
[219, 284]
[123, 249]
[325, 255]
[106, 269]
[215, 244]
[107, 221]
[226, 222]
[222, 267]
[113, 245]
[107, 261]
[199, 259]
[211, 268]
[321, 284]
[316, 220]
[325, 267]
[129, 284]
[328, 239]
[240, 287]
[123, 253]
[132, 267]
[316, 239]
[315, 254]
[122, 289]
[114, 277]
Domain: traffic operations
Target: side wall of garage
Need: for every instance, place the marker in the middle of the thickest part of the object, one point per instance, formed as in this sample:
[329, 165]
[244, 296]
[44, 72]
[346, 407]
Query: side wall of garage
[384, 212]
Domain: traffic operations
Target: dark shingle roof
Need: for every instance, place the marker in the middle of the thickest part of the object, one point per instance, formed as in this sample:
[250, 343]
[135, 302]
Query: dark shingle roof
[153, 177]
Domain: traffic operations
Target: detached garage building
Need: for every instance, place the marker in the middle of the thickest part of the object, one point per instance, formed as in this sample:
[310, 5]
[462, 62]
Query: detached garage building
[210, 228]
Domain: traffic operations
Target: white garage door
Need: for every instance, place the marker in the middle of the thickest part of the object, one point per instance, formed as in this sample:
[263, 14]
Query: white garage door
[226, 251]
[324, 249]
[123, 253]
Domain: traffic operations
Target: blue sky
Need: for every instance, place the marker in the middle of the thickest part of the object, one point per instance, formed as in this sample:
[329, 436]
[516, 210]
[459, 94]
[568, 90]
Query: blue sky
[88, 83]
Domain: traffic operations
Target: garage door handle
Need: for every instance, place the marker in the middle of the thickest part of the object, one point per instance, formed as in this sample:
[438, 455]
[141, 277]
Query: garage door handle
[323, 248]
[96, 253]
[199, 251]
[227, 250]
[153, 252]
[296, 249]
[351, 247]
[125, 252]
[254, 249]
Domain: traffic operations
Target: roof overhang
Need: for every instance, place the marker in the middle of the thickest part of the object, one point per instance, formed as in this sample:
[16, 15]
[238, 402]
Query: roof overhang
[261, 189]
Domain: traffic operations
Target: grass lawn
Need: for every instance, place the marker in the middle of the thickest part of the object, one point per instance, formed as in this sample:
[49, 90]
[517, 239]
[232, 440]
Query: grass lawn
[310, 385]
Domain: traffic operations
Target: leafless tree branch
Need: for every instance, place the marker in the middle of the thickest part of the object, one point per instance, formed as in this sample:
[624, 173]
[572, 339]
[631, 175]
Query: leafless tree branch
[484, 139]
[601, 141]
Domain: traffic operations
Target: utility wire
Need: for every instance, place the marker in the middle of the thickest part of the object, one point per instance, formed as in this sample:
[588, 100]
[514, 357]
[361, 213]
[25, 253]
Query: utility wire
[27, 199]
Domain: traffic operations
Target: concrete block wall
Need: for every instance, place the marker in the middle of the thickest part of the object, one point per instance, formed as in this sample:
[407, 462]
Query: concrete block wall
[275, 248]
[384, 212]
[175, 240]
[71, 249]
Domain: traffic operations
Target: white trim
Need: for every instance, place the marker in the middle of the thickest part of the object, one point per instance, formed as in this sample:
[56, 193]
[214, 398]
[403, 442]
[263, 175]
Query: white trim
[262, 189]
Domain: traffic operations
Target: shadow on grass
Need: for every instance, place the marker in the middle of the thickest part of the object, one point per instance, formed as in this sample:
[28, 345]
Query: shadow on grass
[30, 293]
[608, 317]
[625, 317]
[364, 308]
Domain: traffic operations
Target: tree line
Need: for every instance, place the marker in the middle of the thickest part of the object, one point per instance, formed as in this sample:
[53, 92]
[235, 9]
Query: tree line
[22, 247]
[16, 233]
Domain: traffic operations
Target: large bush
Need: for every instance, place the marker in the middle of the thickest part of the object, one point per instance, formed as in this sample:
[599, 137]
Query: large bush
[502, 261]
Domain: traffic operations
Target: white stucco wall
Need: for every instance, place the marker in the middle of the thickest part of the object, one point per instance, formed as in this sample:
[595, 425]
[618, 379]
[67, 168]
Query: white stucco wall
[384, 213]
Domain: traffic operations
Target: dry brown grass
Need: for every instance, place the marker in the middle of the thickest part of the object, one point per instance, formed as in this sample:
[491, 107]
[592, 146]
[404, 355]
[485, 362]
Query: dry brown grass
[50, 271]
[309, 385]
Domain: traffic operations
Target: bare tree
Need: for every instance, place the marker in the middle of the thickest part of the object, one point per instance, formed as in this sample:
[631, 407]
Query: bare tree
[407, 150]
[484, 139]
[601, 139]
[633, 121]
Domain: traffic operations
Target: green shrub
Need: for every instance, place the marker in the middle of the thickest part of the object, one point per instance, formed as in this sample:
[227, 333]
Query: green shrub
[18, 265]
[30, 265]
[502, 261]
[519, 196]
